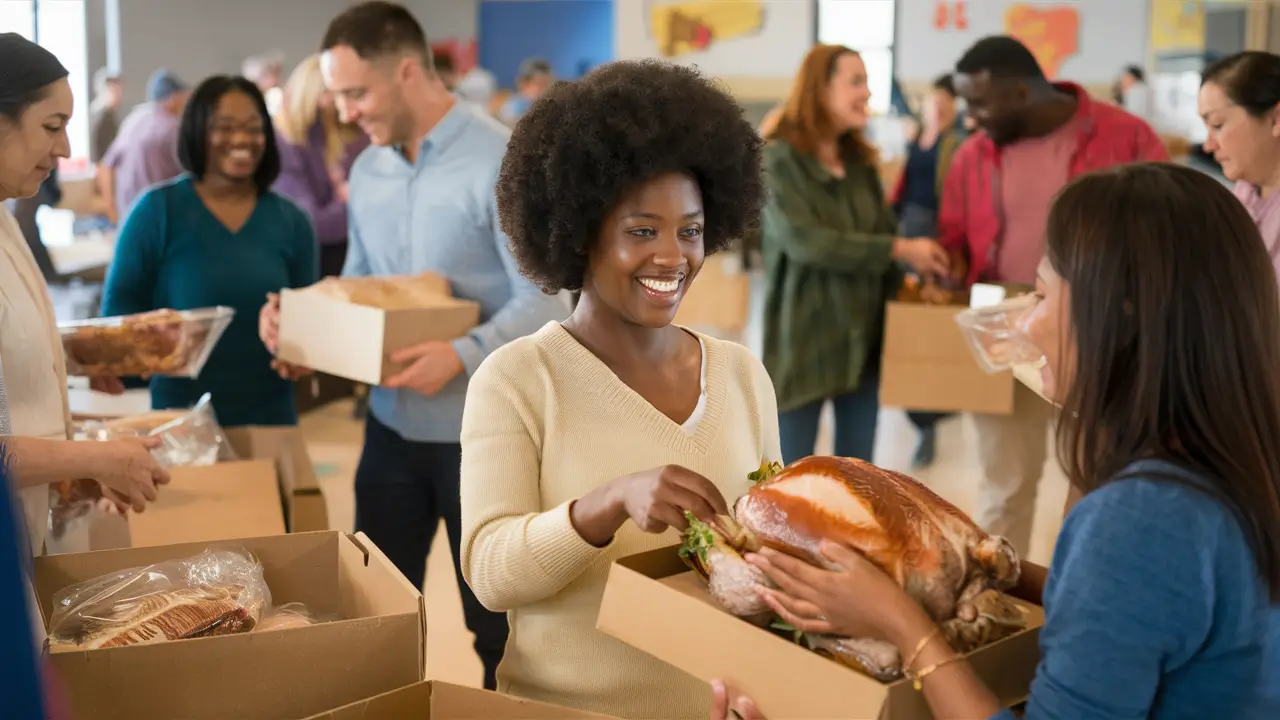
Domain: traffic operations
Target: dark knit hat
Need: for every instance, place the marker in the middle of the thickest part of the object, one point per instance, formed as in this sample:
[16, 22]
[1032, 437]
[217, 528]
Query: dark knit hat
[25, 67]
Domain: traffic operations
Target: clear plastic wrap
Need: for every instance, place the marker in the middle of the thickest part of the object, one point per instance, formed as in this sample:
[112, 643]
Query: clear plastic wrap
[71, 502]
[188, 438]
[174, 343]
[218, 592]
[286, 617]
[996, 334]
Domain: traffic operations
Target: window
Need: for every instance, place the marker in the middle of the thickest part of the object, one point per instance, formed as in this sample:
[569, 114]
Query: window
[18, 16]
[60, 29]
[59, 25]
[868, 27]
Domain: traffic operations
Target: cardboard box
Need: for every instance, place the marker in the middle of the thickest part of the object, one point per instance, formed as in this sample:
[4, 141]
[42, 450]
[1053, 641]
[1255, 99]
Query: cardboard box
[214, 502]
[926, 364]
[655, 603]
[719, 297]
[303, 501]
[356, 341]
[435, 700]
[379, 646]
[270, 490]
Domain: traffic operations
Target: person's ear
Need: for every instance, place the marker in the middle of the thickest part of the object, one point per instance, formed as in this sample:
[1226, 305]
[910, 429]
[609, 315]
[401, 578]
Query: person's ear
[1274, 117]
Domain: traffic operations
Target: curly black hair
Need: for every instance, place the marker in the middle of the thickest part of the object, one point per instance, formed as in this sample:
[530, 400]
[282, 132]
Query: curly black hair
[584, 144]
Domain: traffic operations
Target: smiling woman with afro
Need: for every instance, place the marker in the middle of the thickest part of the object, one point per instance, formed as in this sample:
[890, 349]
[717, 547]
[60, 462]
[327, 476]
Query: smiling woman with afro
[590, 439]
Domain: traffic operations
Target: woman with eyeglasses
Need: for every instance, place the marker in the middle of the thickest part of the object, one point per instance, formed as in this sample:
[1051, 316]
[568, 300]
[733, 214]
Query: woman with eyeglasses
[218, 235]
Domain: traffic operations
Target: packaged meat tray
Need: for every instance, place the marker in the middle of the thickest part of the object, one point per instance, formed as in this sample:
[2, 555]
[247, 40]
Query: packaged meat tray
[218, 592]
[996, 334]
[173, 343]
[188, 438]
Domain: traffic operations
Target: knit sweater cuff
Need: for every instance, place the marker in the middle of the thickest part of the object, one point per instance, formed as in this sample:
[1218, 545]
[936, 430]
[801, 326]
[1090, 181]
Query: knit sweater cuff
[557, 547]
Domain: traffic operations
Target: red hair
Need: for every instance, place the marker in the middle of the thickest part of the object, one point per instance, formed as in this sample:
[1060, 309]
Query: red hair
[805, 122]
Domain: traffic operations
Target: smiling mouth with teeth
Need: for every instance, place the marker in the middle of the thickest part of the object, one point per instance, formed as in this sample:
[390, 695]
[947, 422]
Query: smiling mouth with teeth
[662, 286]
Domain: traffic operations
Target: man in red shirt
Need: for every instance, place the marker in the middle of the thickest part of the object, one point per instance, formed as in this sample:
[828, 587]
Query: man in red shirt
[1034, 137]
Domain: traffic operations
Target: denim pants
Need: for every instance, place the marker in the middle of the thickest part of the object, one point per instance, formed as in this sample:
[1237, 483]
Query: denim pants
[856, 416]
[403, 490]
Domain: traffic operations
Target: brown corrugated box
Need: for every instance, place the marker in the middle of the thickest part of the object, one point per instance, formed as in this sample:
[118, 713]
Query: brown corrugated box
[294, 673]
[304, 505]
[655, 603]
[719, 298]
[435, 700]
[332, 335]
[927, 364]
[273, 489]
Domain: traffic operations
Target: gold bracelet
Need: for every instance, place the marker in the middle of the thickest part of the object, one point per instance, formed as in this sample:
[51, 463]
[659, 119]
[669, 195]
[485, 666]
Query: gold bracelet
[906, 667]
[917, 680]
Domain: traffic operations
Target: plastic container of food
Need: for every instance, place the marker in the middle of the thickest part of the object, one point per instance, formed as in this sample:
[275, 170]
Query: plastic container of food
[171, 343]
[997, 336]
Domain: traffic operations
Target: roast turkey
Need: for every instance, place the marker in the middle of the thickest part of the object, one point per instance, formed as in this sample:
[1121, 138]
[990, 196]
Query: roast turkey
[945, 562]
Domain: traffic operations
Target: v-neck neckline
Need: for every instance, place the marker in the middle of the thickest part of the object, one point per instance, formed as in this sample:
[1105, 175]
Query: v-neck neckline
[613, 392]
[257, 203]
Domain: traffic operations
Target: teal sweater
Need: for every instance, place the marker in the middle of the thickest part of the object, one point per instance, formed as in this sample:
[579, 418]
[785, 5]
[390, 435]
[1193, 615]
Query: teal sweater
[173, 253]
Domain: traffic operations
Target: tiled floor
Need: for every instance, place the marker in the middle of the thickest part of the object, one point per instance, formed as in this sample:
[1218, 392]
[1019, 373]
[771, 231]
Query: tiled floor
[334, 441]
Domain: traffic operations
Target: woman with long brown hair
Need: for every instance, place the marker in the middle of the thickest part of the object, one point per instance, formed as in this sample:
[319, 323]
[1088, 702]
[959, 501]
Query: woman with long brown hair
[831, 247]
[1159, 319]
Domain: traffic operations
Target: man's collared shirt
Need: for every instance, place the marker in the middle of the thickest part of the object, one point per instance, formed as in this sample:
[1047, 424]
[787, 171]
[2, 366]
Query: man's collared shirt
[440, 214]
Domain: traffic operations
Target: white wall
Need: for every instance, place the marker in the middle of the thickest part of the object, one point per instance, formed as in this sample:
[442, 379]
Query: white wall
[198, 38]
[1112, 34]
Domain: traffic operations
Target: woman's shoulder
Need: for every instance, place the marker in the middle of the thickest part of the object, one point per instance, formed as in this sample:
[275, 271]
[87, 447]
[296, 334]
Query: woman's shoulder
[1157, 507]
[519, 360]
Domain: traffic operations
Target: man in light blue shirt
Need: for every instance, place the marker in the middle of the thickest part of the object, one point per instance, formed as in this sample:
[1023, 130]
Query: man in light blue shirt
[422, 199]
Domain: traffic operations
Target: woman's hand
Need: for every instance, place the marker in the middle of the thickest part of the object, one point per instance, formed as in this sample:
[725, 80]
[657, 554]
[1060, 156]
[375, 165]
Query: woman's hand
[732, 705]
[127, 467]
[857, 600]
[923, 254]
[654, 500]
[108, 385]
[269, 323]
[289, 371]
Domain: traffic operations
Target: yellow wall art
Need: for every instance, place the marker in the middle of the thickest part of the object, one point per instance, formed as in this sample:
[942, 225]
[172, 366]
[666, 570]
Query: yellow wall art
[680, 28]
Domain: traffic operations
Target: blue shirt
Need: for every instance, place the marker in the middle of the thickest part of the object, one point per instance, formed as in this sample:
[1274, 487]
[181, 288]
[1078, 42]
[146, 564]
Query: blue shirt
[1154, 608]
[173, 253]
[440, 214]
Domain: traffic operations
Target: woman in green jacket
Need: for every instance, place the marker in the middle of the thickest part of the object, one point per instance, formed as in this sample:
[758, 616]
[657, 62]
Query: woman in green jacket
[831, 251]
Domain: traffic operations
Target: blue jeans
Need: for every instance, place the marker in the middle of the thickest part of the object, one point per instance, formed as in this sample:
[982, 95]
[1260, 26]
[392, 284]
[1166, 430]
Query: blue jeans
[856, 414]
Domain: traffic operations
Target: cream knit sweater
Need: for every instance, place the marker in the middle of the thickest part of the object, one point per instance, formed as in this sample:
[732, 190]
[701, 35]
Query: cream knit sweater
[544, 423]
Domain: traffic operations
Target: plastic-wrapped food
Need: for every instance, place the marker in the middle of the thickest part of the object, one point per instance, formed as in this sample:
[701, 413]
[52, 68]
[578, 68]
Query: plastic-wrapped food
[71, 502]
[286, 617]
[173, 343]
[188, 438]
[996, 334]
[218, 592]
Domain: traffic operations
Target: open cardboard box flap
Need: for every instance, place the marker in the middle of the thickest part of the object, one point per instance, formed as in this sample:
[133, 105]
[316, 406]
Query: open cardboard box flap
[304, 505]
[213, 502]
[653, 602]
[435, 700]
[377, 646]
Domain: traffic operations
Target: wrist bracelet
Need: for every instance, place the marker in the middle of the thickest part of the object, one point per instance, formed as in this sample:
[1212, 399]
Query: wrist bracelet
[906, 666]
[917, 680]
